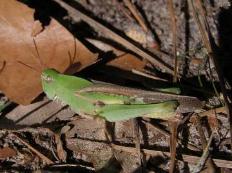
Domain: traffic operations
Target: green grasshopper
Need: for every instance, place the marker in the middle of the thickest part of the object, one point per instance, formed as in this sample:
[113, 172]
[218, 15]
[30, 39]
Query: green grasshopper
[110, 102]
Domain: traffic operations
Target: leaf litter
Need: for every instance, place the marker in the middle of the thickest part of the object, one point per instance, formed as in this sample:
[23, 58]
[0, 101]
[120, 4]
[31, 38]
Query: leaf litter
[81, 147]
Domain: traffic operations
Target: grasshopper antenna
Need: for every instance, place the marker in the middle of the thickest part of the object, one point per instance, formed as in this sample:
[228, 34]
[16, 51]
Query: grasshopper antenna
[72, 57]
[42, 64]
[20, 62]
[4, 63]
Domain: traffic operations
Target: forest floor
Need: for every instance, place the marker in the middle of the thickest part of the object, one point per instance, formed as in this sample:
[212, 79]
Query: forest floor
[46, 136]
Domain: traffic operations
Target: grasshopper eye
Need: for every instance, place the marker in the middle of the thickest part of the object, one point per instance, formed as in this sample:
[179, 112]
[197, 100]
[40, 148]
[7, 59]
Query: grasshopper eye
[47, 78]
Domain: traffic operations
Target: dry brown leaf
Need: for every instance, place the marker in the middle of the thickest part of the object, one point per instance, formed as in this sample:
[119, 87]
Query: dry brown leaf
[54, 43]
[37, 28]
[128, 62]
[124, 61]
[7, 152]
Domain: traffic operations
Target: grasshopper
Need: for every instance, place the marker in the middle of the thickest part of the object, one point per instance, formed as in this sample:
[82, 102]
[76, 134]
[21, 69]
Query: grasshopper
[112, 102]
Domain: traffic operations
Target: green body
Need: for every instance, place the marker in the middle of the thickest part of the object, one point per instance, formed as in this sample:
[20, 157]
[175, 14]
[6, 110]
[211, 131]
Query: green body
[112, 107]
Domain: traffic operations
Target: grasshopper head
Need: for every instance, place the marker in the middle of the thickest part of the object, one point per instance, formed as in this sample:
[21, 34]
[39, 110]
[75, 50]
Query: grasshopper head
[49, 78]
[49, 75]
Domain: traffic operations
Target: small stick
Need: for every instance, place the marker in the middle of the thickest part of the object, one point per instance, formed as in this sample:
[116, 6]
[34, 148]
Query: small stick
[124, 10]
[137, 142]
[40, 155]
[209, 162]
[173, 141]
[147, 75]
[212, 112]
[72, 165]
[204, 156]
[136, 14]
[203, 13]
[61, 153]
[174, 37]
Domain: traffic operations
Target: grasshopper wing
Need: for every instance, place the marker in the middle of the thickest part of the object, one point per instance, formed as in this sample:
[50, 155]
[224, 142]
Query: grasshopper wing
[186, 103]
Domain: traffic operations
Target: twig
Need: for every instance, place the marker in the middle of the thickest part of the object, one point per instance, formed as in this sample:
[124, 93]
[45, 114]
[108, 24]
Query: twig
[136, 14]
[209, 162]
[207, 40]
[204, 156]
[76, 15]
[204, 34]
[174, 38]
[105, 47]
[203, 13]
[43, 157]
[212, 111]
[137, 142]
[173, 141]
[72, 165]
[147, 75]
[124, 10]
[53, 151]
[59, 148]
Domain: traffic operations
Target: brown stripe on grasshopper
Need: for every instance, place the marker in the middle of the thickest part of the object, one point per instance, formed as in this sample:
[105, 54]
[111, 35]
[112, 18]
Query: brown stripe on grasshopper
[186, 103]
